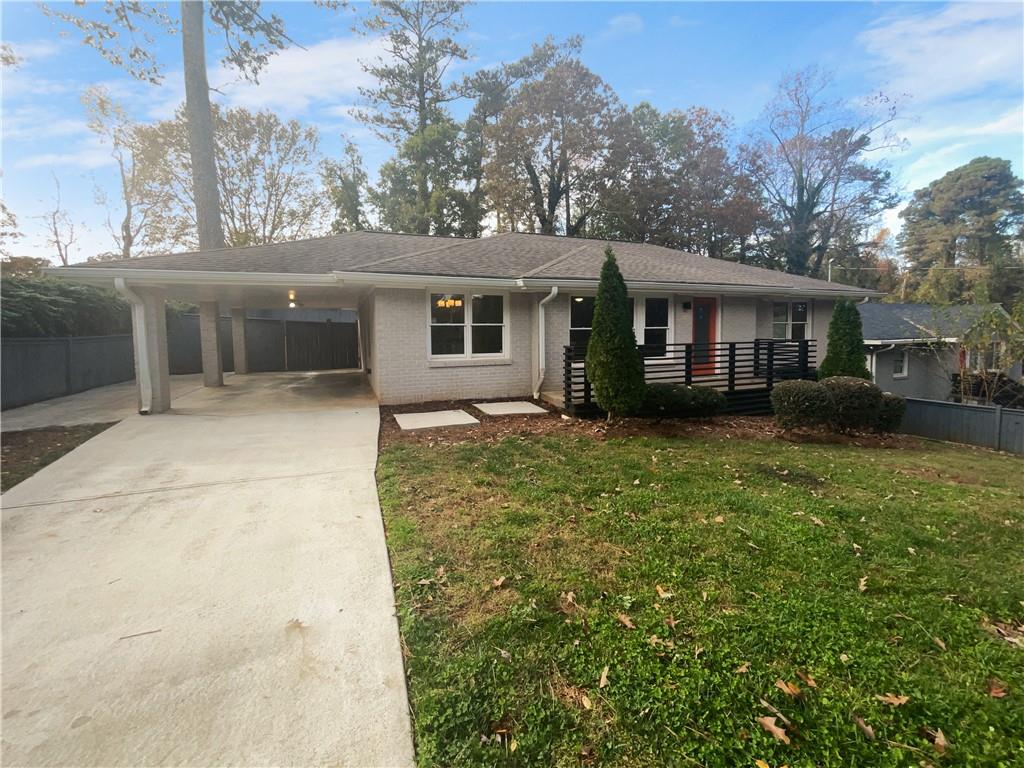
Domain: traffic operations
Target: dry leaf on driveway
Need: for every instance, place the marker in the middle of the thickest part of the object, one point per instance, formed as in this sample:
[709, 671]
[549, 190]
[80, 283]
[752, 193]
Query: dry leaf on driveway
[625, 621]
[893, 700]
[768, 723]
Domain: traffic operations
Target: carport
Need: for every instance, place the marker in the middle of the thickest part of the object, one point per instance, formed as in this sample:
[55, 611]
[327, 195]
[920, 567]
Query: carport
[217, 294]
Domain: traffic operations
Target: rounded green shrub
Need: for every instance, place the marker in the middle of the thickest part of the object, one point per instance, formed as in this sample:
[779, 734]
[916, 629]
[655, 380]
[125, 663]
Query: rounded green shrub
[801, 403]
[678, 401]
[855, 403]
[890, 414]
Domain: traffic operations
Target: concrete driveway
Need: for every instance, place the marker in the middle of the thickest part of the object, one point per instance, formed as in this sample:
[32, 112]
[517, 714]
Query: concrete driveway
[207, 587]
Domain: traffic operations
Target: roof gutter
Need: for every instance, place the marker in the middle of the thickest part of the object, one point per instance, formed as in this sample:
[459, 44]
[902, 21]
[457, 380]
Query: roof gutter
[139, 334]
[883, 342]
[383, 279]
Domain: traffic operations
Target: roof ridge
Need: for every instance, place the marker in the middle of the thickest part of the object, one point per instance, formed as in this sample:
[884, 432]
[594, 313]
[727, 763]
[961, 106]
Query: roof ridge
[553, 261]
[455, 243]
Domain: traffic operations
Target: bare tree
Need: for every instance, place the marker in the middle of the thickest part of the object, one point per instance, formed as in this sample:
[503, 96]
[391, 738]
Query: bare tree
[810, 159]
[60, 229]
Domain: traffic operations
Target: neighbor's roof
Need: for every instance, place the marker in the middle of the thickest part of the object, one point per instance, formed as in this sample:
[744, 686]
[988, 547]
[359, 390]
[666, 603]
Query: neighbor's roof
[536, 259]
[918, 322]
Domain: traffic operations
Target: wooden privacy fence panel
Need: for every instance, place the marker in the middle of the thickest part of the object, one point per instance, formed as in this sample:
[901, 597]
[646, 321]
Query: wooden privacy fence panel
[990, 426]
[745, 371]
[39, 369]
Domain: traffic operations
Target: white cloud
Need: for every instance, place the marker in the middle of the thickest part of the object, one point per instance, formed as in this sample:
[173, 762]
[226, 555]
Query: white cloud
[679, 22]
[623, 25]
[938, 127]
[960, 50]
[34, 123]
[295, 79]
[90, 153]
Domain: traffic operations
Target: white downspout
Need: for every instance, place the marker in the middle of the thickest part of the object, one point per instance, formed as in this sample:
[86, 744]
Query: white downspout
[542, 342]
[141, 345]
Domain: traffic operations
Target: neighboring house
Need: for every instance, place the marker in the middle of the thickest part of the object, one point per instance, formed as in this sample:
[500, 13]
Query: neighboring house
[446, 318]
[915, 350]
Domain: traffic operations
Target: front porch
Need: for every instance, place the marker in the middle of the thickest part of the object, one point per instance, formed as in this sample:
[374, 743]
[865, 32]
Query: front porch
[744, 371]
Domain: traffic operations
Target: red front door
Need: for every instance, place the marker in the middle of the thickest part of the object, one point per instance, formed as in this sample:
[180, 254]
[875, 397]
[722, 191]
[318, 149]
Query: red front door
[705, 321]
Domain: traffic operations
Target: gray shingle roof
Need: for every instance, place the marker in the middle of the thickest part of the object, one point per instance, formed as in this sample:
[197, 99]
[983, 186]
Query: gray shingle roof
[894, 322]
[509, 256]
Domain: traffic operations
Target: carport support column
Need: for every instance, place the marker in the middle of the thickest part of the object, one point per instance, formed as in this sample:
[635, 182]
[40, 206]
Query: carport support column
[241, 355]
[149, 340]
[209, 342]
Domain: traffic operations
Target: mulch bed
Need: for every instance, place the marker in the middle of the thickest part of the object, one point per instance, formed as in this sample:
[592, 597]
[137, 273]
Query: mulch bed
[26, 452]
[496, 428]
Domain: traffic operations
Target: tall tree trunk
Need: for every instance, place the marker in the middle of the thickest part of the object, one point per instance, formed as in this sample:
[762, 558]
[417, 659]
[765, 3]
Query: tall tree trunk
[200, 127]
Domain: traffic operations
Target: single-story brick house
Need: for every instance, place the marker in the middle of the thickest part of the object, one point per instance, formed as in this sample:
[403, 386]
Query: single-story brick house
[501, 316]
[915, 350]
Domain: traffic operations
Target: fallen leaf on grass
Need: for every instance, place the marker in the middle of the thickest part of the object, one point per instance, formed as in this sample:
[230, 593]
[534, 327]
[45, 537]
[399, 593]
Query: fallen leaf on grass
[862, 584]
[817, 520]
[790, 689]
[719, 519]
[504, 654]
[662, 592]
[743, 668]
[938, 739]
[808, 680]
[867, 730]
[893, 700]
[996, 688]
[768, 723]
[625, 621]
[498, 583]
[586, 702]
[939, 643]
[604, 678]
[911, 550]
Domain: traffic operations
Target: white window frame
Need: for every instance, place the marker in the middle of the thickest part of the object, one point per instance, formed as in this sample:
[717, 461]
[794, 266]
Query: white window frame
[467, 336]
[807, 324]
[904, 355]
[640, 321]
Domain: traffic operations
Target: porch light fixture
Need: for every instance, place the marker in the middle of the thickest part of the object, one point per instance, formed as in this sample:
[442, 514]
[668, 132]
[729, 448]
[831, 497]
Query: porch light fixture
[578, 299]
[291, 295]
[291, 305]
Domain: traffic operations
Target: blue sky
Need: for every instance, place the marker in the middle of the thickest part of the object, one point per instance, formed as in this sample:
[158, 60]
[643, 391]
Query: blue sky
[960, 66]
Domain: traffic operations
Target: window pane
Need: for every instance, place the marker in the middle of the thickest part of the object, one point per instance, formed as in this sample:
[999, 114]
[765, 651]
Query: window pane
[799, 331]
[579, 337]
[447, 340]
[780, 312]
[487, 339]
[779, 330]
[654, 342]
[799, 311]
[488, 309]
[581, 311]
[447, 308]
[898, 362]
[656, 313]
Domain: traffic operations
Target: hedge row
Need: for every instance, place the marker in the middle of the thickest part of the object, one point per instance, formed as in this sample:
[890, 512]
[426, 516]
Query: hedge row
[841, 403]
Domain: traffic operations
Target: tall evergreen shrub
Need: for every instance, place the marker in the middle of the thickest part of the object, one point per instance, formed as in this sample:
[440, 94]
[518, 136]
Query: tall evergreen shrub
[845, 344]
[614, 364]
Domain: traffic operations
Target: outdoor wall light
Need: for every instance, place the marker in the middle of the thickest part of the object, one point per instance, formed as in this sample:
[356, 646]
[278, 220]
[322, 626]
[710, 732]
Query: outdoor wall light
[291, 305]
[291, 295]
[578, 299]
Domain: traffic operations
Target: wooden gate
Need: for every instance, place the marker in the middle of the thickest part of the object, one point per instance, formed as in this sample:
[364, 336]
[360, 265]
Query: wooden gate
[324, 346]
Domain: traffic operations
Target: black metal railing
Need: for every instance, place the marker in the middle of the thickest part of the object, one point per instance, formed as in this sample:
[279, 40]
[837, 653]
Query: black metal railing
[745, 371]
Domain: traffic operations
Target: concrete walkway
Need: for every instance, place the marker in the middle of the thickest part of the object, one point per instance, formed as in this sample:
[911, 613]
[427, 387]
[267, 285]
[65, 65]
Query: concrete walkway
[207, 587]
[94, 406]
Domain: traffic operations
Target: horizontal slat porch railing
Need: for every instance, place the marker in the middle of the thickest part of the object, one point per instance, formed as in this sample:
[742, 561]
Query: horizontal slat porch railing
[745, 371]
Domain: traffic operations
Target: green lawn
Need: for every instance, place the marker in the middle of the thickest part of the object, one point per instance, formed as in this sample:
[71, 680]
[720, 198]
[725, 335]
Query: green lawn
[738, 563]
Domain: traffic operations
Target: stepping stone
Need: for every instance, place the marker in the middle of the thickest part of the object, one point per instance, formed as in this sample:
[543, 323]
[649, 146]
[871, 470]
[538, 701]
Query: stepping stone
[433, 419]
[509, 408]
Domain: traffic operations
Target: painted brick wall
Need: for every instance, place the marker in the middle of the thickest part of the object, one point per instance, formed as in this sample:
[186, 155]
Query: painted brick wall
[404, 374]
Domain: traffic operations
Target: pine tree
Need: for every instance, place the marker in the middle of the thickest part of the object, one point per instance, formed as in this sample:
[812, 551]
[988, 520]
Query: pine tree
[614, 365]
[845, 344]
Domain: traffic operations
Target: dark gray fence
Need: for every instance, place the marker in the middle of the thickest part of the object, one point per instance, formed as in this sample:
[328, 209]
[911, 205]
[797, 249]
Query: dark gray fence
[38, 369]
[990, 426]
[43, 368]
